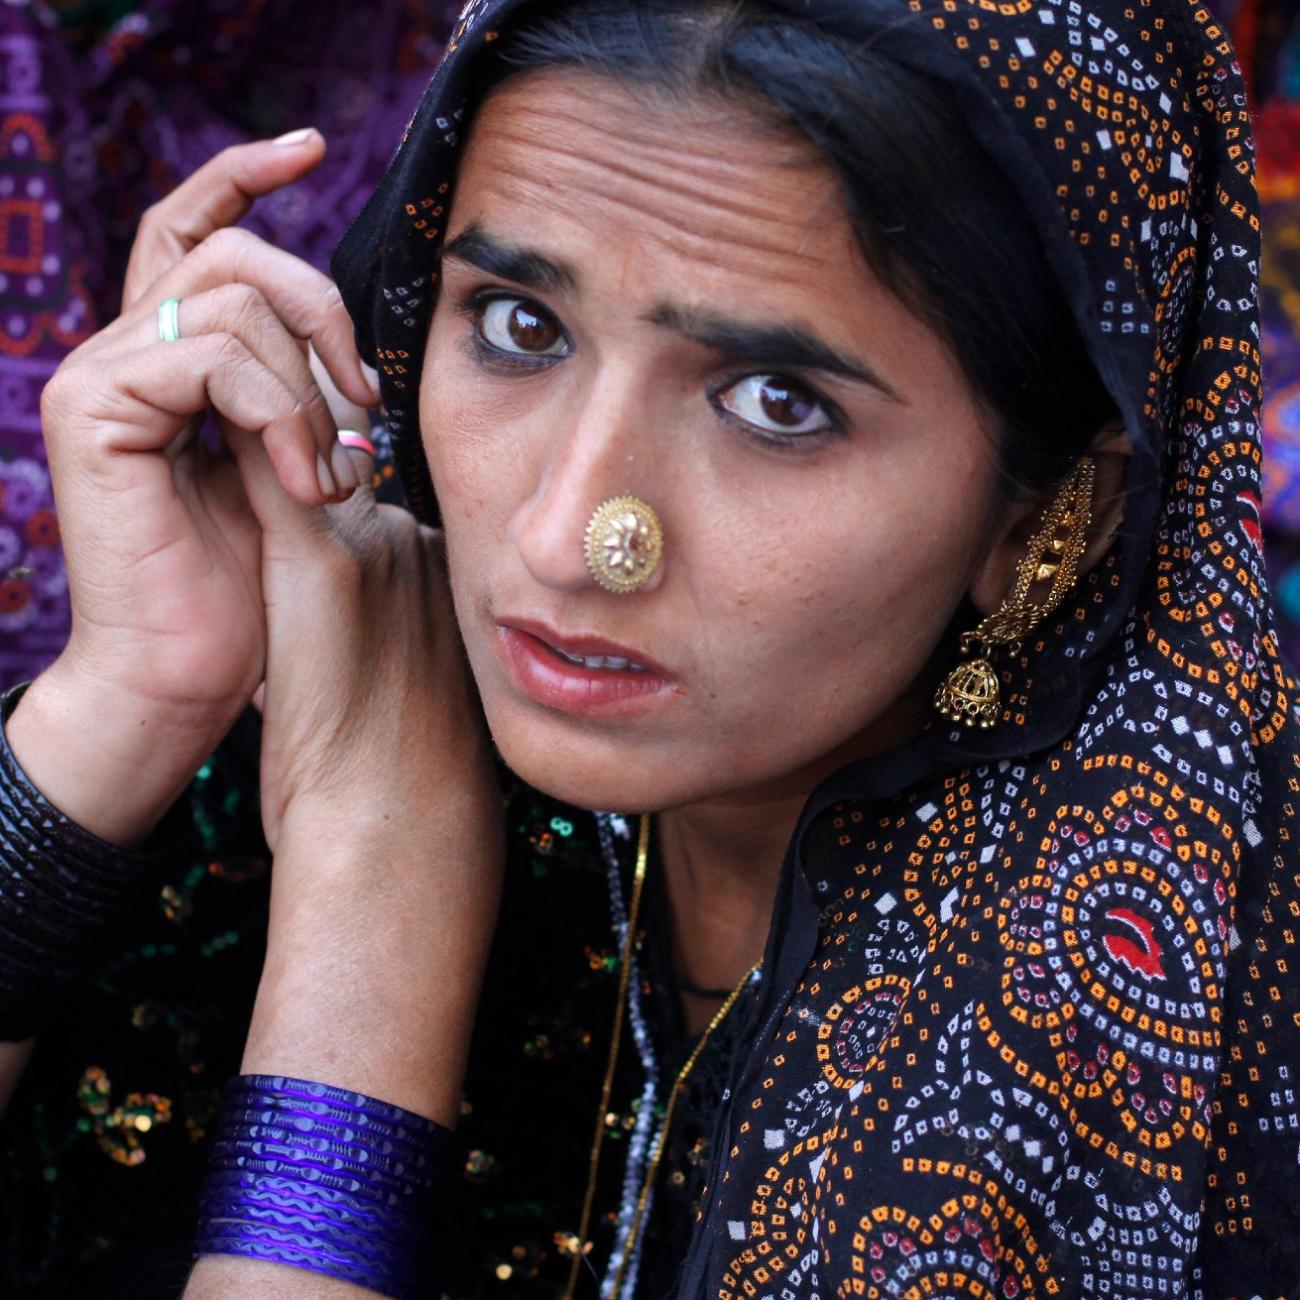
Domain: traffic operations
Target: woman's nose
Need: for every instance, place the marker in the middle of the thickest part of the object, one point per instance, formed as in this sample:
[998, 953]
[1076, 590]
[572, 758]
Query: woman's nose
[549, 529]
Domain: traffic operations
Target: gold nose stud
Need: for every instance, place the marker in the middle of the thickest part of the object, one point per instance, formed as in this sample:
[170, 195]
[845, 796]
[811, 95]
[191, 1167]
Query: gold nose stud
[624, 544]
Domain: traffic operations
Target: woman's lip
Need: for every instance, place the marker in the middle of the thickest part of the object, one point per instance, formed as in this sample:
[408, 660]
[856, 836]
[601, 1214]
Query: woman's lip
[588, 646]
[570, 688]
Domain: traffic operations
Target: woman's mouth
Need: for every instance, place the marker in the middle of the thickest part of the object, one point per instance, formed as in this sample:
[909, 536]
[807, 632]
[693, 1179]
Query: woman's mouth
[581, 675]
[594, 662]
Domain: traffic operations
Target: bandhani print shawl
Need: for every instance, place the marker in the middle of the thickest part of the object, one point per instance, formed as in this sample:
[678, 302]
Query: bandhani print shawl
[1028, 1024]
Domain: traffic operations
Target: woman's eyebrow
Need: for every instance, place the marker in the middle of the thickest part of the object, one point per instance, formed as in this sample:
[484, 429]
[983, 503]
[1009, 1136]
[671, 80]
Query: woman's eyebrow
[767, 345]
[524, 266]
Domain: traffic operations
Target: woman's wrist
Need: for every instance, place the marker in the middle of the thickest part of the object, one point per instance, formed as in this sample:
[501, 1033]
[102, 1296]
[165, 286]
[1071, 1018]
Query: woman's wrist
[110, 763]
[61, 888]
[379, 933]
[375, 958]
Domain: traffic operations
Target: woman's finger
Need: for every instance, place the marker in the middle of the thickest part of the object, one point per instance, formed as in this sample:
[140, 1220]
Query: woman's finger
[290, 528]
[328, 546]
[350, 420]
[218, 194]
[144, 399]
[304, 299]
[242, 310]
[347, 413]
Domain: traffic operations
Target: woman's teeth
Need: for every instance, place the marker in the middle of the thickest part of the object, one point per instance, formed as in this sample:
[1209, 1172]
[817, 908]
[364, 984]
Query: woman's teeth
[612, 662]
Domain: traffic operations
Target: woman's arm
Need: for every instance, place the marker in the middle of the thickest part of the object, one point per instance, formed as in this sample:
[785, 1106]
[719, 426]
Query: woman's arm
[223, 1277]
[110, 766]
[195, 575]
[163, 552]
[375, 958]
[380, 802]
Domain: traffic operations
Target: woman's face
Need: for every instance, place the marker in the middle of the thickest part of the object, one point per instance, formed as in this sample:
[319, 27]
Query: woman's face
[668, 301]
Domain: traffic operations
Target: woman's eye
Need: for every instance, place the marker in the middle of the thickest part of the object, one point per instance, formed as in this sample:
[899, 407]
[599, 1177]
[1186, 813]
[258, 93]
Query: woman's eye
[520, 327]
[777, 406]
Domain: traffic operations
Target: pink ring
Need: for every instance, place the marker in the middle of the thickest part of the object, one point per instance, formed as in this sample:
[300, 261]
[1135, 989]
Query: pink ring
[351, 438]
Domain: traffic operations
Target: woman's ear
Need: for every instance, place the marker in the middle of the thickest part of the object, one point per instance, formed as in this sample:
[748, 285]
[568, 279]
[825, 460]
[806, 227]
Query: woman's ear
[996, 576]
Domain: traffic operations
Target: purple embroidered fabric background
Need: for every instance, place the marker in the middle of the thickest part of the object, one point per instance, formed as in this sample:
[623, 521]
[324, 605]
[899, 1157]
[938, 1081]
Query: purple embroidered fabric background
[104, 107]
[106, 104]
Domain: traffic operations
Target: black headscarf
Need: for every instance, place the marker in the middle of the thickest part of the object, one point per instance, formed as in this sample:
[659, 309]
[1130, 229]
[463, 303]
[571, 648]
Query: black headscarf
[1044, 1042]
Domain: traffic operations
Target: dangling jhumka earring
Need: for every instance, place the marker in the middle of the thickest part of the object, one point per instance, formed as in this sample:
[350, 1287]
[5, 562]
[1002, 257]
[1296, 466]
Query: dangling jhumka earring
[970, 693]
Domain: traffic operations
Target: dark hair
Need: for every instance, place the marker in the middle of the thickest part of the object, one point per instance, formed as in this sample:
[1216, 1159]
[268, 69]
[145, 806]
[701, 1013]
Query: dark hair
[945, 231]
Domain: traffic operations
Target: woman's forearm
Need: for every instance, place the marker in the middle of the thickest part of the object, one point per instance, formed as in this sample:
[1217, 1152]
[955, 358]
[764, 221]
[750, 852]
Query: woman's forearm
[375, 957]
[224, 1277]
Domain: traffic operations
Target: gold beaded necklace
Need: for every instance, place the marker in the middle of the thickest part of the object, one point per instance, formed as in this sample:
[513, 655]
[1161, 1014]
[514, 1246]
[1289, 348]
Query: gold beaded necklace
[580, 1245]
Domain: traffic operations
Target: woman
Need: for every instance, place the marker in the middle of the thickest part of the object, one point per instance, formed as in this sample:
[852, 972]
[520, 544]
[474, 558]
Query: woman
[780, 371]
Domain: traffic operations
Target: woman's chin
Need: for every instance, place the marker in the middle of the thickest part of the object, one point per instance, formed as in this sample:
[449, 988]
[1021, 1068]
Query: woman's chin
[584, 783]
[591, 775]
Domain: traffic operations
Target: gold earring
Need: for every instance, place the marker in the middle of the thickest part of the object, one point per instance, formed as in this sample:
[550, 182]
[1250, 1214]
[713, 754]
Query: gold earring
[624, 543]
[970, 693]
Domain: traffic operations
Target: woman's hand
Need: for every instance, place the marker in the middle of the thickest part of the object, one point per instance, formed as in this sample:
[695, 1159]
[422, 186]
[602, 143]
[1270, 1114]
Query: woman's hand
[379, 799]
[371, 724]
[163, 550]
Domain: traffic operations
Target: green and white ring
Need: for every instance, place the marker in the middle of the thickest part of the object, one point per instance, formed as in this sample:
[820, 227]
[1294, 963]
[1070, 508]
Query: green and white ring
[169, 320]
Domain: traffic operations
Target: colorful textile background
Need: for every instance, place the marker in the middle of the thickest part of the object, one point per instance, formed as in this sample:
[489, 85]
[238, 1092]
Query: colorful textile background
[104, 106]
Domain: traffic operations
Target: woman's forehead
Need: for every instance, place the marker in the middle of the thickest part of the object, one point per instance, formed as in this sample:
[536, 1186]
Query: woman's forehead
[565, 156]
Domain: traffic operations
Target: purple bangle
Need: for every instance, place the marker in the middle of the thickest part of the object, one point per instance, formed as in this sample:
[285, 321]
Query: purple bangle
[317, 1177]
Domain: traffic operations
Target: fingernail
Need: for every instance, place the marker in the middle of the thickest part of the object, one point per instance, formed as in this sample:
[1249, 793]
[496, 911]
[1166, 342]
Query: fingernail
[372, 378]
[300, 136]
[345, 472]
[323, 476]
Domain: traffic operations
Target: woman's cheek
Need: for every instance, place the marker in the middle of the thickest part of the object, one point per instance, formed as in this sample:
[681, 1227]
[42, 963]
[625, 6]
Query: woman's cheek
[864, 610]
[465, 442]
